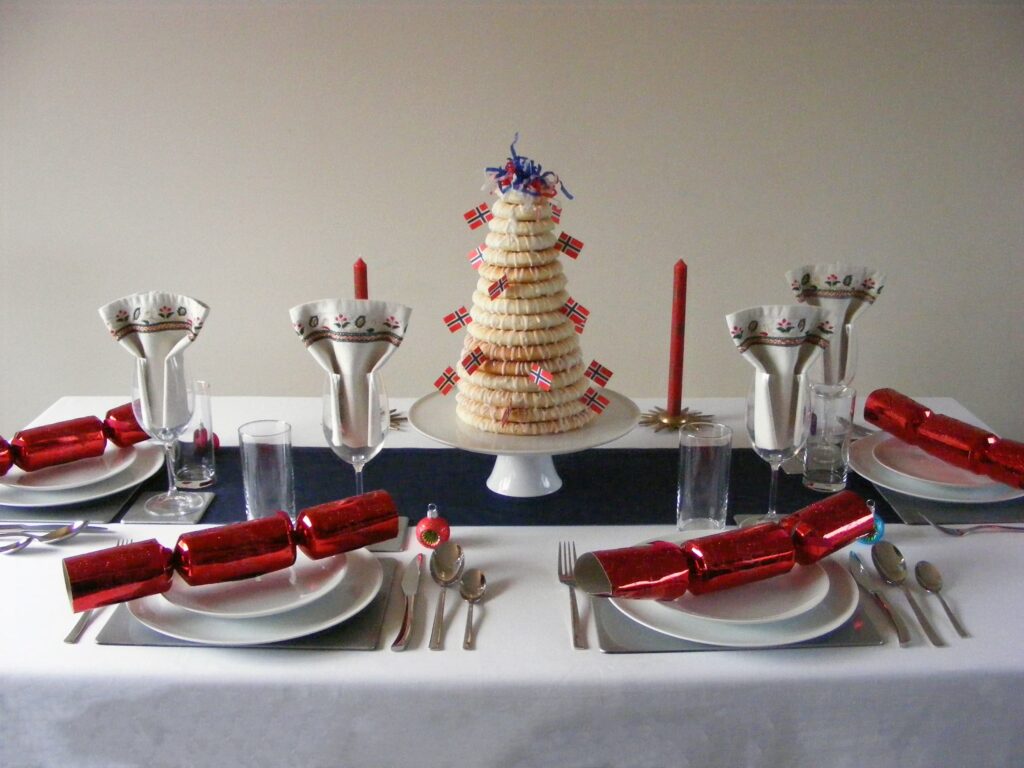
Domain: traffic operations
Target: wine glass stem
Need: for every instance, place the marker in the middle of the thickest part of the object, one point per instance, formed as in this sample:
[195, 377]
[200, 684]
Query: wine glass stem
[169, 461]
[359, 479]
[773, 489]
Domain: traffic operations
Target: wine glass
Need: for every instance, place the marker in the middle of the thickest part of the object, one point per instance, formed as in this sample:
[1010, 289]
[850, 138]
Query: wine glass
[164, 415]
[356, 421]
[775, 443]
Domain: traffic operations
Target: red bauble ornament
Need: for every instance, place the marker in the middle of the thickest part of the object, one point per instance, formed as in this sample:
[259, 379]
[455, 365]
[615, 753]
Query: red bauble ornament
[433, 530]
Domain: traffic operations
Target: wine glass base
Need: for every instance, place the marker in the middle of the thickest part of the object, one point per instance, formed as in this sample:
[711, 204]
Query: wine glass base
[166, 505]
[524, 476]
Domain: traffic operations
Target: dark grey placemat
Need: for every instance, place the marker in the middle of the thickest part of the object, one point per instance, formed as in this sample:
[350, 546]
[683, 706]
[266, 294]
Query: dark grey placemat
[137, 511]
[909, 509]
[359, 633]
[617, 633]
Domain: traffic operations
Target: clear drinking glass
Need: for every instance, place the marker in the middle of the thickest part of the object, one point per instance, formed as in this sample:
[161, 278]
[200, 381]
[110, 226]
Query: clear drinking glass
[357, 443]
[164, 416]
[827, 454]
[776, 453]
[702, 497]
[195, 461]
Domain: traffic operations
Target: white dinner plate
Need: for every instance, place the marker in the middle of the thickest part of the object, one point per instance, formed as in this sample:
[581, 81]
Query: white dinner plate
[277, 592]
[838, 605]
[917, 464]
[75, 474]
[780, 597]
[863, 461]
[346, 599]
[148, 459]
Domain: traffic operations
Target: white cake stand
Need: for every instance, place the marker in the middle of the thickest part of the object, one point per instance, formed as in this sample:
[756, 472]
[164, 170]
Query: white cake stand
[523, 467]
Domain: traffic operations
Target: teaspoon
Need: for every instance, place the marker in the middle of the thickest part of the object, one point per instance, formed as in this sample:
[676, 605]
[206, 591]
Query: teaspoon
[16, 546]
[57, 534]
[446, 565]
[892, 567]
[472, 588]
[930, 579]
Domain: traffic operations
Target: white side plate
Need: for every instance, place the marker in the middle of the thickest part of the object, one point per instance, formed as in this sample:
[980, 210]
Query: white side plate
[75, 474]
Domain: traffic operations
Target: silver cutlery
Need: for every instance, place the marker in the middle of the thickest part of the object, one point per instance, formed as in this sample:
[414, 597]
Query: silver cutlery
[16, 527]
[446, 565]
[16, 546]
[410, 586]
[472, 588]
[892, 566]
[983, 527]
[930, 579]
[567, 575]
[63, 533]
[864, 581]
[86, 618]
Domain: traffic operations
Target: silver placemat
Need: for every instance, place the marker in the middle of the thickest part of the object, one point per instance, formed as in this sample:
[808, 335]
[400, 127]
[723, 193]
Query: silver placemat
[617, 633]
[909, 509]
[360, 633]
[137, 511]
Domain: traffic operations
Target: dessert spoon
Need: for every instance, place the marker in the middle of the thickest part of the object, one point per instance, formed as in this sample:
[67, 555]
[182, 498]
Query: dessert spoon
[57, 534]
[892, 567]
[446, 565]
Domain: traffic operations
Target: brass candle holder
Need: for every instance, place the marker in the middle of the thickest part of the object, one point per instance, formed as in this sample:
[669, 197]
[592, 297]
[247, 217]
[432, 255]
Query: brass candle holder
[660, 419]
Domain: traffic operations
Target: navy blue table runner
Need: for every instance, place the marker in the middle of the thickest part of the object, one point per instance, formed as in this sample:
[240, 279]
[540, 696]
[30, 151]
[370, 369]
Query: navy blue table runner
[609, 486]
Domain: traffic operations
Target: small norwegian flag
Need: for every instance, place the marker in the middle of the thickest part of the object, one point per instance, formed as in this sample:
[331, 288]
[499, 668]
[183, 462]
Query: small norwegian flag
[541, 377]
[598, 373]
[476, 257]
[495, 289]
[576, 312]
[594, 400]
[478, 216]
[474, 360]
[569, 245]
[446, 380]
[457, 319]
[556, 213]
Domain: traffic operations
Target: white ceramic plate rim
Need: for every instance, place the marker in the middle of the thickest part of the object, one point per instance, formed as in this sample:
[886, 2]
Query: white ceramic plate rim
[267, 595]
[915, 463]
[690, 605]
[150, 458]
[830, 613]
[75, 474]
[863, 461]
[348, 598]
[433, 415]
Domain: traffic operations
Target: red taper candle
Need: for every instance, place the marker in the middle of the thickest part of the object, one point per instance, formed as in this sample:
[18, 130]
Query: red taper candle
[116, 574]
[359, 273]
[59, 443]
[675, 358]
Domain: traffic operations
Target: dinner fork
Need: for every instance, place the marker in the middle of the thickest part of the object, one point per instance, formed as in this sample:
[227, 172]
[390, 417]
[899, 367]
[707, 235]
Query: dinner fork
[86, 618]
[567, 575]
[992, 527]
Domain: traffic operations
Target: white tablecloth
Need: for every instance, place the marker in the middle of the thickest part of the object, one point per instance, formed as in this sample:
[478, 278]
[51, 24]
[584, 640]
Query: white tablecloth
[524, 697]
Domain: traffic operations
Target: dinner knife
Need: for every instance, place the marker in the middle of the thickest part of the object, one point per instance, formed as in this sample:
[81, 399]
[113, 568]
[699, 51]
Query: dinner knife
[863, 579]
[410, 586]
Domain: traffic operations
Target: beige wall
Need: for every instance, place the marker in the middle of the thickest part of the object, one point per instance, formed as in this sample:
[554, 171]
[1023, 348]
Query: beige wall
[247, 153]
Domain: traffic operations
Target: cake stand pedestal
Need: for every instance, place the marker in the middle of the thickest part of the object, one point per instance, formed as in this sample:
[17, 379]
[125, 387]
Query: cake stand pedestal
[523, 466]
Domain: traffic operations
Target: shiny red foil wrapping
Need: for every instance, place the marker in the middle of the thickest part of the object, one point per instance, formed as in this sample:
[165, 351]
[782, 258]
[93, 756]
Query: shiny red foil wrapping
[117, 574]
[1003, 461]
[659, 571]
[348, 524]
[953, 441]
[59, 443]
[122, 428]
[895, 413]
[235, 551]
[741, 556]
[6, 459]
[828, 525]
